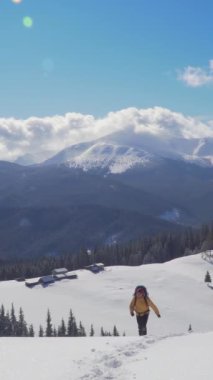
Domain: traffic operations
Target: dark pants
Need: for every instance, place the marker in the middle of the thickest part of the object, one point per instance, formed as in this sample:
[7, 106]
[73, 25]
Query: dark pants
[142, 321]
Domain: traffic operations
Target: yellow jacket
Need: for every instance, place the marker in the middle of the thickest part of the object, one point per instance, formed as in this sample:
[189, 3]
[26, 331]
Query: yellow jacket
[140, 306]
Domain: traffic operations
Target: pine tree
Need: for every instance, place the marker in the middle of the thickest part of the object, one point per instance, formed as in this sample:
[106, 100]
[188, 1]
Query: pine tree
[62, 328]
[31, 331]
[105, 333]
[72, 326]
[81, 330]
[207, 277]
[49, 329]
[13, 321]
[92, 332]
[102, 332]
[21, 324]
[115, 331]
[41, 332]
[2, 319]
[7, 325]
[55, 332]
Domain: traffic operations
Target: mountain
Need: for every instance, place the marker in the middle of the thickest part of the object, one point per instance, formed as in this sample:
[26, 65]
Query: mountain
[33, 159]
[101, 155]
[126, 149]
[48, 210]
[176, 170]
[112, 190]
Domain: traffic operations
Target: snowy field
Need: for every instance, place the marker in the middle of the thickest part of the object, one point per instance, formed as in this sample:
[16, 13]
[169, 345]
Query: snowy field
[124, 358]
[168, 352]
[177, 287]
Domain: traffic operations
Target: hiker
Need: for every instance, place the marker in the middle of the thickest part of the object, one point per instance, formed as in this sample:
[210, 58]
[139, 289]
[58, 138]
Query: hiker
[141, 304]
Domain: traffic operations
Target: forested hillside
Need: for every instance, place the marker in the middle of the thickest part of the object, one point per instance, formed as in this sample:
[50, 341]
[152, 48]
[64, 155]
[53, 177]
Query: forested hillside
[157, 249]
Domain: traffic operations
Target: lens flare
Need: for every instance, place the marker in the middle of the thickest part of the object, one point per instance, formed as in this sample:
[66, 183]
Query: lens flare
[16, 1]
[27, 22]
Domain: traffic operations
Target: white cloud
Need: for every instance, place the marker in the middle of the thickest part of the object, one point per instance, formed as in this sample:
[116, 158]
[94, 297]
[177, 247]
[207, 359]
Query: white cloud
[43, 137]
[197, 76]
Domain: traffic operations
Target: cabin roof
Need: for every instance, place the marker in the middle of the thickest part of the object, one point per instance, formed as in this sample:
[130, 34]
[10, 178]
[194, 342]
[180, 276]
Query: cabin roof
[48, 278]
[32, 280]
[59, 270]
[94, 265]
[60, 275]
[71, 273]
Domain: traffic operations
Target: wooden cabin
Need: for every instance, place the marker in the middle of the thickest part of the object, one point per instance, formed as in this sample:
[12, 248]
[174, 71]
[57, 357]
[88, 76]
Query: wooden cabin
[96, 267]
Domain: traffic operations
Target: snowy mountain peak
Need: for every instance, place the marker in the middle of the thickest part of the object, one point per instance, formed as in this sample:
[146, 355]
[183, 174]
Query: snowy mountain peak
[116, 158]
[102, 154]
[125, 149]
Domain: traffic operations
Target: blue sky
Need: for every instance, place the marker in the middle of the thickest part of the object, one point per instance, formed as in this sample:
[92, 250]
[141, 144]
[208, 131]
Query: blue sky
[97, 56]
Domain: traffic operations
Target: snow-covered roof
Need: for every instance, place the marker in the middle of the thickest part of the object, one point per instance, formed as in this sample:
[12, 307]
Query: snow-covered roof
[59, 270]
[60, 275]
[71, 273]
[95, 265]
[48, 278]
[32, 280]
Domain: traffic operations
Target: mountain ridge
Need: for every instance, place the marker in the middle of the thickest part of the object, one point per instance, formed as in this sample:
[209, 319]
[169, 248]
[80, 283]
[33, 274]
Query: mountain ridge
[120, 151]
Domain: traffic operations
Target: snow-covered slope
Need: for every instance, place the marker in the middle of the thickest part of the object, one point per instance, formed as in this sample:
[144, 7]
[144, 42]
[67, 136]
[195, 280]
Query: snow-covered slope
[177, 287]
[117, 158]
[168, 352]
[123, 150]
